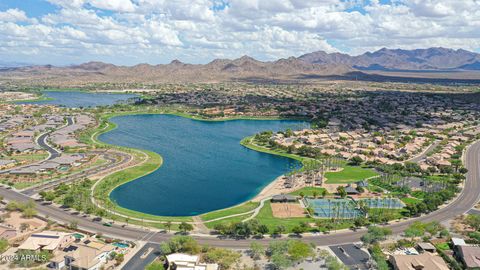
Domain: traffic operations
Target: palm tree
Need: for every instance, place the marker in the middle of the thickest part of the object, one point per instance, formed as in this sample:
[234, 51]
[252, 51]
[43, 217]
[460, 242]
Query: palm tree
[324, 193]
[168, 225]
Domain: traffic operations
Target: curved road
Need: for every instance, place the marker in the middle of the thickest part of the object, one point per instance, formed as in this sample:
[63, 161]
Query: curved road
[468, 197]
[114, 160]
[42, 141]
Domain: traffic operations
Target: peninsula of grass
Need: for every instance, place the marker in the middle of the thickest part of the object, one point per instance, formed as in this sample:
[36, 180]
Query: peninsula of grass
[248, 142]
[239, 209]
[349, 174]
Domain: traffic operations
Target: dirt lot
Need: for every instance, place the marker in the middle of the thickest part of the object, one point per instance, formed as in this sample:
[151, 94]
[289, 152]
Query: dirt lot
[287, 210]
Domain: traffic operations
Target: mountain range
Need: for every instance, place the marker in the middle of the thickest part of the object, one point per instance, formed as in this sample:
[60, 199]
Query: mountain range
[316, 64]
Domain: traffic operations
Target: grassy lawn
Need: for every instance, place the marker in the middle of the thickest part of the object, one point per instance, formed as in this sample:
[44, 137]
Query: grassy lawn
[236, 219]
[242, 208]
[349, 174]
[265, 216]
[410, 200]
[393, 213]
[442, 246]
[22, 185]
[30, 157]
[308, 191]
[438, 178]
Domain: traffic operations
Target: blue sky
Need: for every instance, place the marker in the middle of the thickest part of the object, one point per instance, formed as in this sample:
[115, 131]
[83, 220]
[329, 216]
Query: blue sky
[33, 8]
[129, 32]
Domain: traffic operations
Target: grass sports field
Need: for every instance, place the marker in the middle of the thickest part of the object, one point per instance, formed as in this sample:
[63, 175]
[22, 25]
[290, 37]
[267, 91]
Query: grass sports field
[349, 174]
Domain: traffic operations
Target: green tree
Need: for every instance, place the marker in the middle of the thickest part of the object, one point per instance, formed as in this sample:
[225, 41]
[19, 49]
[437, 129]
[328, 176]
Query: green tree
[280, 261]
[180, 243]
[416, 229]
[356, 161]
[375, 234]
[299, 251]
[360, 221]
[3, 245]
[185, 227]
[29, 212]
[473, 221]
[225, 258]
[156, 265]
[119, 258]
[73, 225]
[279, 229]
[168, 225]
[256, 250]
[341, 191]
[11, 206]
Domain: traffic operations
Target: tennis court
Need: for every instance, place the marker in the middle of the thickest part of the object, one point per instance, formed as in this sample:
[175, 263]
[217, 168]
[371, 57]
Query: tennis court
[390, 203]
[333, 208]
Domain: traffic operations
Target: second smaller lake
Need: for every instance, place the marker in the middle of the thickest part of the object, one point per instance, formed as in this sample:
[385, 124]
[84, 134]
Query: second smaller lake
[76, 99]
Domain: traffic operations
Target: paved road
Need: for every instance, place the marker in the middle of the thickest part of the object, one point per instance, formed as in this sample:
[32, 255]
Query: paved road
[465, 201]
[112, 162]
[42, 141]
[137, 262]
[425, 153]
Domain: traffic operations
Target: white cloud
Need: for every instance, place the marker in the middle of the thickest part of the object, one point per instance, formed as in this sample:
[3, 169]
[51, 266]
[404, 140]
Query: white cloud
[114, 5]
[13, 15]
[195, 31]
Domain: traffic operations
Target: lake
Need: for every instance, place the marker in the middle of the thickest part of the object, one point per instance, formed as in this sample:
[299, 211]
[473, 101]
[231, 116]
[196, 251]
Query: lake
[204, 166]
[76, 99]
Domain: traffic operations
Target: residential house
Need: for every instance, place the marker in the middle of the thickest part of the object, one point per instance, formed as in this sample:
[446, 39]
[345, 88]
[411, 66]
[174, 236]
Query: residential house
[469, 255]
[424, 261]
[47, 240]
[187, 262]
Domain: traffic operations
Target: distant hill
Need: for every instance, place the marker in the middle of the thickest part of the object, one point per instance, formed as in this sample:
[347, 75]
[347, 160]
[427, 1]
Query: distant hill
[386, 59]
[316, 65]
[5, 64]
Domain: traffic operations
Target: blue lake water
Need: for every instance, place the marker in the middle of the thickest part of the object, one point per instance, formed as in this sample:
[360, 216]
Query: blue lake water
[204, 166]
[75, 99]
